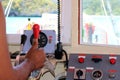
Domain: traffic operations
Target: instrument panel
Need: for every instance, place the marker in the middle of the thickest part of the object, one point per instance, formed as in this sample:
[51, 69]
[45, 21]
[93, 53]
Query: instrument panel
[46, 40]
[93, 67]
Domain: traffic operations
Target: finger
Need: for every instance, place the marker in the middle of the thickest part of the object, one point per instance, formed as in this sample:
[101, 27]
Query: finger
[41, 50]
[34, 46]
[35, 43]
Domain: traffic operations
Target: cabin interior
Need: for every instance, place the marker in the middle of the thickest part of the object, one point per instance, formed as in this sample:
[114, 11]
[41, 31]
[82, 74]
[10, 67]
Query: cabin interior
[80, 37]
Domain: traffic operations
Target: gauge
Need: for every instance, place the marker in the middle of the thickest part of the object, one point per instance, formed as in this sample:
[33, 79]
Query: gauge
[97, 74]
[42, 40]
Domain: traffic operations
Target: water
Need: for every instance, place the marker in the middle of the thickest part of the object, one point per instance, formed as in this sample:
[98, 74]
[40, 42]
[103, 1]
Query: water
[16, 25]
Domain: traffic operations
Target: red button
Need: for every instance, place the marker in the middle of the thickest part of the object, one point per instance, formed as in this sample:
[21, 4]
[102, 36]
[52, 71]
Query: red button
[112, 61]
[81, 60]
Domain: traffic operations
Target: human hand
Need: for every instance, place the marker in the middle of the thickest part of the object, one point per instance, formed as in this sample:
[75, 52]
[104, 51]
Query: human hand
[36, 56]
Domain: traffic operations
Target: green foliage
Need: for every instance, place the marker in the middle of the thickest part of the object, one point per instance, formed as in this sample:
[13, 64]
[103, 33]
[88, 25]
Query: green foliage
[31, 7]
[37, 7]
[95, 7]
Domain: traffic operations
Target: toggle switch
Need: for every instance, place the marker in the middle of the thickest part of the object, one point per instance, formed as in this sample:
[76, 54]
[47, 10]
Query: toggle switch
[112, 75]
[79, 74]
[96, 60]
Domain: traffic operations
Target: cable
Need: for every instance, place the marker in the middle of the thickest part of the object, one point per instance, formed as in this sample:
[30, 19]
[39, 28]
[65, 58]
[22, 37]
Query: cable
[66, 56]
[59, 22]
[59, 51]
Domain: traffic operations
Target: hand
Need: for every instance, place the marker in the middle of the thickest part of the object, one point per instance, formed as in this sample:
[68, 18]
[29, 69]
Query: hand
[36, 56]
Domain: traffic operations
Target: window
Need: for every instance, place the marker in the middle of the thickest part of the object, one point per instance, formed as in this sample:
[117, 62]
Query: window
[77, 43]
[100, 22]
[22, 14]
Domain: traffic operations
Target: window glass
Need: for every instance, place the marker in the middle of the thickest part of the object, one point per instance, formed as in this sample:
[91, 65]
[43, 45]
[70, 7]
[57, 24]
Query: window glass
[22, 14]
[100, 22]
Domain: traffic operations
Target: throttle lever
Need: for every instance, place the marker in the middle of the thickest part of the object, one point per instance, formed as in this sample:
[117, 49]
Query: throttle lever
[36, 31]
[47, 65]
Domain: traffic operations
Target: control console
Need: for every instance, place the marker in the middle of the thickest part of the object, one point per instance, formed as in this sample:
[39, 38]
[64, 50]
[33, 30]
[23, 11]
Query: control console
[46, 40]
[93, 67]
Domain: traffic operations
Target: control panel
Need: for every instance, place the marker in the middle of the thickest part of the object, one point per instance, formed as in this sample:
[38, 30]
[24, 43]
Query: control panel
[93, 67]
[46, 40]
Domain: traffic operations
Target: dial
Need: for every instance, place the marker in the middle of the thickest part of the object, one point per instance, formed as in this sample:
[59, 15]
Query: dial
[79, 73]
[97, 74]
[42, 40]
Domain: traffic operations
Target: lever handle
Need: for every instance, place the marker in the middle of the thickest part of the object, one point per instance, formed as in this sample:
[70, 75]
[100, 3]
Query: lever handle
[36, 31]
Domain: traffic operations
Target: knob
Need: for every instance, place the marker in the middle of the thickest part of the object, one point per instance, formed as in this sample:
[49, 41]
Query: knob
[97, 74]
[79, 73]
[112, 61]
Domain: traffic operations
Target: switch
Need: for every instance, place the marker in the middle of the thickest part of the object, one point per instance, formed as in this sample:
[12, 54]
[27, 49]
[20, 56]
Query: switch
[112, 75]
[79, 73]
[96, 60]
[81, 60]
[50, 39]
[112, 61]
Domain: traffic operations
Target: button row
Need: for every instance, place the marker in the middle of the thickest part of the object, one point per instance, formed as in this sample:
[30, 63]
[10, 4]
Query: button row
[97, 59]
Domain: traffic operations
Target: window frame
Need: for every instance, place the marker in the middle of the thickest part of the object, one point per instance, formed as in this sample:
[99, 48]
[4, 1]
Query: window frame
[81, 48]
[107, 41]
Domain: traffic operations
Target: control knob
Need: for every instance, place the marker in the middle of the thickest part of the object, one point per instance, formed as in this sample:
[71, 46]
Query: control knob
[97, 74]
[79, 73]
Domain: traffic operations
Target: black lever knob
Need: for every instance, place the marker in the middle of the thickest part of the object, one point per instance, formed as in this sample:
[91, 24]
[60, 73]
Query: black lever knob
[79, 73]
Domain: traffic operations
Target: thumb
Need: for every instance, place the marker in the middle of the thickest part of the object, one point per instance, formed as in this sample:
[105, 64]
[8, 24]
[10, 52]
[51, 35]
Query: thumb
[35, 43]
